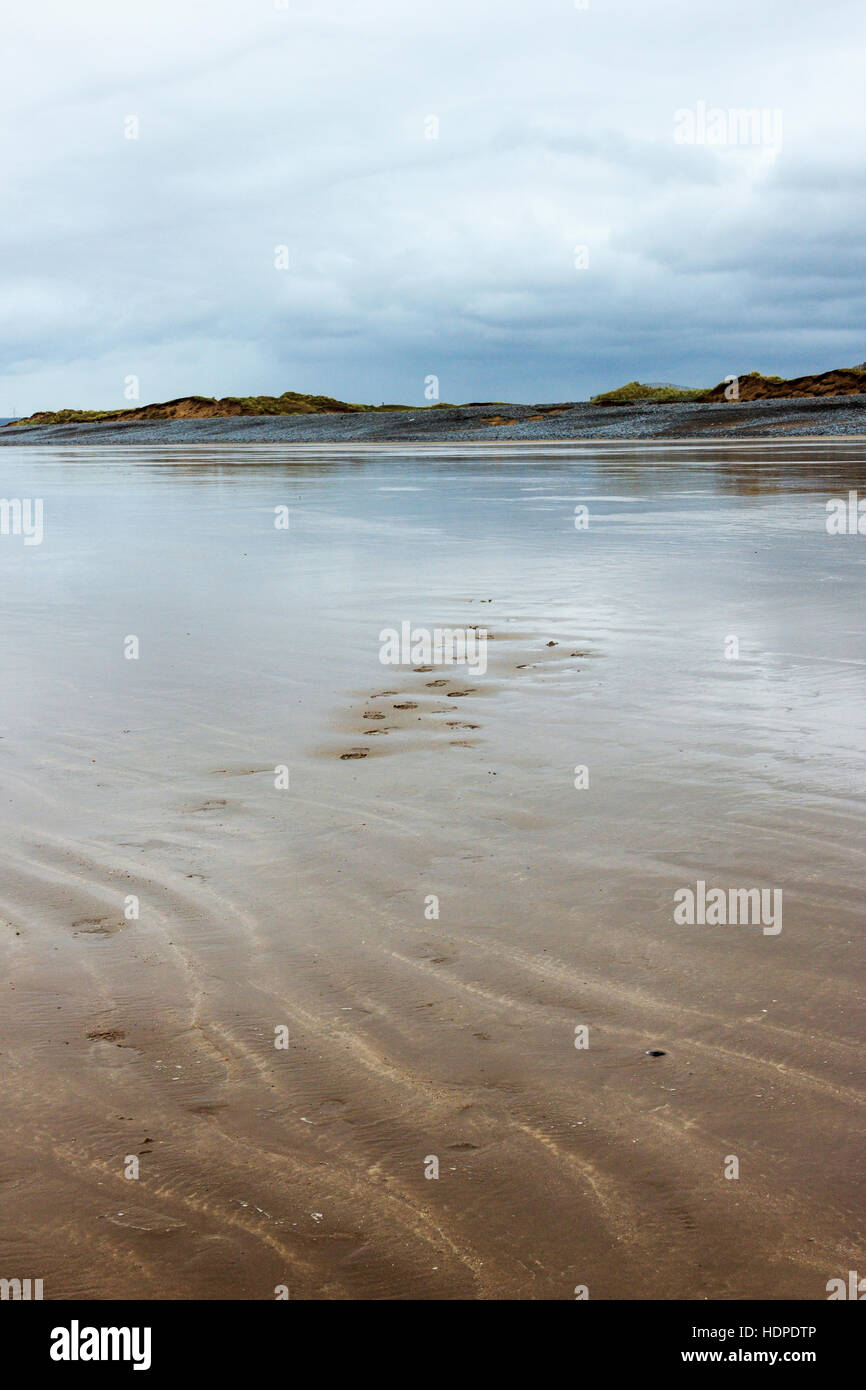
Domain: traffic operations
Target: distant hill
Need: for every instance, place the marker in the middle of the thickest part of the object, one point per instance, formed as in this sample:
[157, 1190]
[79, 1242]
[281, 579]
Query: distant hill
[648, 391]
[751, 386]
[207, 407]
[843, 381]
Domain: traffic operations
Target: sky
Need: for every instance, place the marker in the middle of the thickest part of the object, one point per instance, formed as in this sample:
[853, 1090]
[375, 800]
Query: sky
[379, 201]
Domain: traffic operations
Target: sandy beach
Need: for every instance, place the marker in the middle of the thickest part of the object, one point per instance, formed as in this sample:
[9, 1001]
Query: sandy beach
[169, 907]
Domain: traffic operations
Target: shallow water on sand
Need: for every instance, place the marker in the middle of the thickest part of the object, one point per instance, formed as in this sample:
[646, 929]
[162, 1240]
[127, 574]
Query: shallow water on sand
[411, 1036]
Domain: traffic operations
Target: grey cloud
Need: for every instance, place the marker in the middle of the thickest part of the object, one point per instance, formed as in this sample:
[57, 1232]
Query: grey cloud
[306, 127]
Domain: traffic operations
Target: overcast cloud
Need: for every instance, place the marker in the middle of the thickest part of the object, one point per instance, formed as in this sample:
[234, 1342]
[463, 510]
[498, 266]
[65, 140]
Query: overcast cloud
[307, 127]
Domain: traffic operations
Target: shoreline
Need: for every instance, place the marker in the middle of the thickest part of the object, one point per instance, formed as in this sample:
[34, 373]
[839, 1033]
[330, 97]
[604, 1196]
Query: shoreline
[788, 419]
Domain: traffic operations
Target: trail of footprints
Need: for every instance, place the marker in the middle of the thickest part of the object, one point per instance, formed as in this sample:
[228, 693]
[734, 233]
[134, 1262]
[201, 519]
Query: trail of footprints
[400, 711]
[390, 711]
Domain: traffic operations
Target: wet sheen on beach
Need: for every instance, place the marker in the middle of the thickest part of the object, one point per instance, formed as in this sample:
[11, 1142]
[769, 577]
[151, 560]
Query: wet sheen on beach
[284, 924]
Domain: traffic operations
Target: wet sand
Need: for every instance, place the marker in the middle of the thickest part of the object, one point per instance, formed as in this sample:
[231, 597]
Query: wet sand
[412, 1036]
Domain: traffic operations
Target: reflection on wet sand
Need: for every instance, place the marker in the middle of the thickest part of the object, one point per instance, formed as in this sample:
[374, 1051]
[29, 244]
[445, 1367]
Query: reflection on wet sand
[459, 901]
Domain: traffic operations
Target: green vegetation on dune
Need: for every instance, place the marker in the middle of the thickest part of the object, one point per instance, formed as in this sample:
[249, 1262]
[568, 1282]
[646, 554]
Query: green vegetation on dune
[297, 403]
[64, 417]
[636, 391]
[205, 407]
[289, 403]
[210, 407]
[751, 386]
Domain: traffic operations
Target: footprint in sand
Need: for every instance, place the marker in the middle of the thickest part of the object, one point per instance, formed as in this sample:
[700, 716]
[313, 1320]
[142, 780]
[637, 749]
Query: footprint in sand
[96, 926]
[374, 714]
[433, 683]
[430, 952]
[141, 1219]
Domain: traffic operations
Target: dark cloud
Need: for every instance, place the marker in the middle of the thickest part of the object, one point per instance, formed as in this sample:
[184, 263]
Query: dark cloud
[306, 127]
